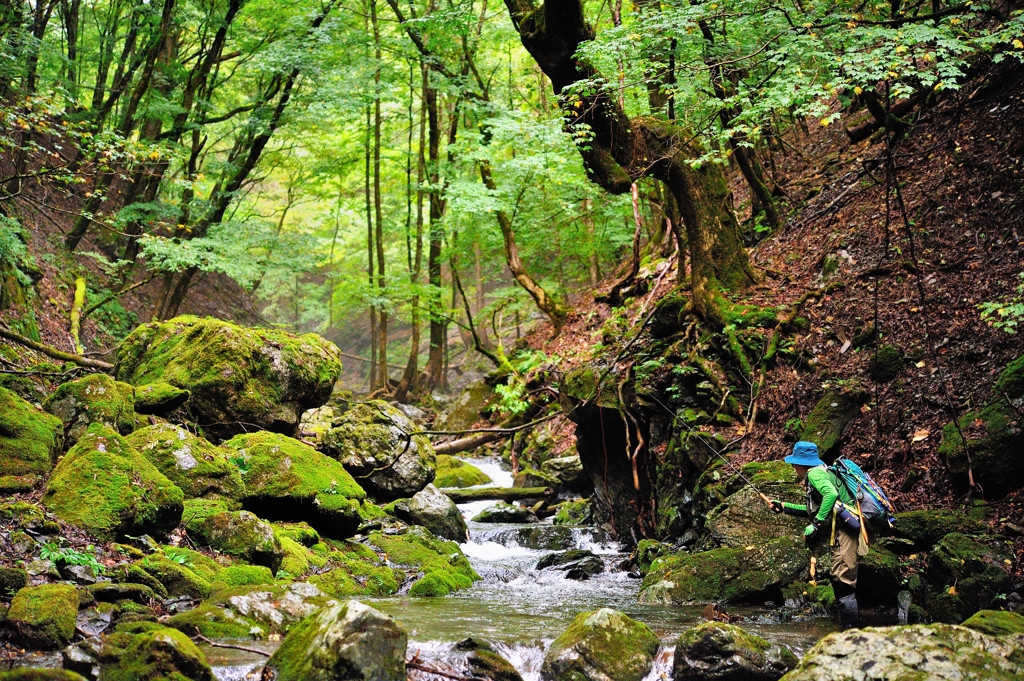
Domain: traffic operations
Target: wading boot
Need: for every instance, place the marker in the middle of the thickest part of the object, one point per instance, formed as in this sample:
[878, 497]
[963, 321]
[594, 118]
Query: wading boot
[849, 613]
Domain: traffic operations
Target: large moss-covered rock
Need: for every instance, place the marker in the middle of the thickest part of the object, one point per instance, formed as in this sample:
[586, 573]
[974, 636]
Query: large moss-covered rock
[744, 518]
[104, 486]
[746, 574]
[996, 622]
[161, 654]
[288, 480]
[181, 572]
[159, 398]
[432, 509]
[452, 472]
[199, 468]
[242, 612]
[977, 570]
[372, 441]
[343, 642]
[96, 398]
[603, 645]
[443, 567]
[715, 651]
[827, 422]
[239, 378]
[485, 662]
[925, 527]
[44, 616]
[242, 535]
[936, 652]
[467, 408]
[30, 440]
[40, 674]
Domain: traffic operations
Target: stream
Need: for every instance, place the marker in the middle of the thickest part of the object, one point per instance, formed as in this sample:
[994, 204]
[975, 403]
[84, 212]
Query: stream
[520, 610]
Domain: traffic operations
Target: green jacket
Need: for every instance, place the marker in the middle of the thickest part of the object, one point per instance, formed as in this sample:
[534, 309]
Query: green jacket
[824, 488]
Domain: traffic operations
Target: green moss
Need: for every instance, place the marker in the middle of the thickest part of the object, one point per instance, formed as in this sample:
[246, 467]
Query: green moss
[288, 480]
[576, 512]
[445, 569]
[820, 594]
[296, 559]
[243, 575]
[996, 622]
[212, 621]
[452, 472]
[299, 532]
[159, 398]
[178, 579]
[242, 535]
[581, 384]
[198, 510]
[30, 440]
[199, 468]
[134, 574]
[531, 477]
[370, 511]
[159, 655]
[96, 398]
[647, 551]
[44, 616]
[925, 527]
[977, 569]
[830, 416]
[886, 363]
[994, 449]
[606, 641]
[742, 654]
[12, 579]
[236, 375]
[40, 674]
[1011, 381]
[105, 487]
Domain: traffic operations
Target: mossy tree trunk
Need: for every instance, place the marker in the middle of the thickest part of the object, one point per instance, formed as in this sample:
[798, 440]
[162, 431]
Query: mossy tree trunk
[621, 150]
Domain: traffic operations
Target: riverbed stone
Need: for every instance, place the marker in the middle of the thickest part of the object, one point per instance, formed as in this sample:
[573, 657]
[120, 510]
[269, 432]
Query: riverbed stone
[372, 440]
[603, 645]
[996, 622]
[531, 477]
[749, 574]
[105, 487]
[44, 616]
[578, 564]
[502, 512]
[717, 651]
[30, 440]
[938, 652]
[251, 610]
[745, 519]
[96, 398]
[158, 655]
[452, 472]
[288, 480]
[344, 642]
[242, 535]
[239, 378]
[199, 468]
[432, 509]
[485, 662]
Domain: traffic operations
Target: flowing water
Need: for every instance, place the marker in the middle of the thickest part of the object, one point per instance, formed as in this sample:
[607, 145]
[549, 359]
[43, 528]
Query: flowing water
[520, 610]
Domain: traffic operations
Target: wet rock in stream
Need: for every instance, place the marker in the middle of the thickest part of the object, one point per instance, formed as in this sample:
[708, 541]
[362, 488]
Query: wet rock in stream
[502, 512]
[578, 564]
[714, 651]
[603, 645]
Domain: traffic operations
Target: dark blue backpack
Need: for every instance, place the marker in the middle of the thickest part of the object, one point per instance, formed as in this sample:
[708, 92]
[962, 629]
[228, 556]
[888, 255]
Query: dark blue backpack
[874, 504]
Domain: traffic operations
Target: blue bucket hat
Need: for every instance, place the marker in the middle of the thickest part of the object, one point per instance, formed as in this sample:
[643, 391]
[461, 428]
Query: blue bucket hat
[804, 454]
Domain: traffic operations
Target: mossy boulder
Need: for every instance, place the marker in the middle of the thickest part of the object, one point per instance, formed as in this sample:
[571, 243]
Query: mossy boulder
[568, 470]
[159, 655]
[577, 564]
[443, 566]
[976, 569]
[105, 487]
[502, 512]
[12, 579]
[199, 468]
[880, 575]
[996, 622]
[40, 674]
[434, 510]
[485, 662]
[255, 610]
[372, 441]
[574, 512]
[995, 438]
[925, 527]
[353, 574]
[745, 519]
[30, 440]
[44, 616]
[599, 646]
[288, 480]
[177, 575]
[531, 477]
[886, 363]
[343, 642]
[800, 594]
[452, 472]
[245, 575]
[938, 652]
[238, 377]
[581, 385]
[750, 574]
[467, 409]
[716, 651]
[96, 398]
[242, 535]
[159, 398]
[831, 415]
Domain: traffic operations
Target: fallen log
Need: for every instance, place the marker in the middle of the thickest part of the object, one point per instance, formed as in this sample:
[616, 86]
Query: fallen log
[467, 444]
[509, 494]
[54, 352]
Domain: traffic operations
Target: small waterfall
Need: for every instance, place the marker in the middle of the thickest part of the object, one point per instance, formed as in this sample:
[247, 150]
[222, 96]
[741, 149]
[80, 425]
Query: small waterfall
[662, 669]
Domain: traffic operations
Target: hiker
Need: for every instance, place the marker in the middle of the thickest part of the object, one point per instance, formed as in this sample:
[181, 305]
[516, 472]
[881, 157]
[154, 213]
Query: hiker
[824, 490]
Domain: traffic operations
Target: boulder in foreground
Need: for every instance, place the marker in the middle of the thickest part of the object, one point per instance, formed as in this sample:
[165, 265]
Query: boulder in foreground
[30, 440]
[343, 642]
[239, 379]
[714, 651]
[603, 645]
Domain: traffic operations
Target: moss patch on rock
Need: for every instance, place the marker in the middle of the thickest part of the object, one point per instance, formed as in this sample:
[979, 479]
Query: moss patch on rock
[443, 566]
[574, 512]
[886, 363]
[176, 577]
[925, 527]
[715, 650]
[452, 472]
[199, 468]
[242, 535]
[245, 575]
[996, 622]
[251, 611]
[96, 398]
[977, 569]
[159, 655]
[44, 616]
[238, 377]
[30, 440]
[105, 487]
[604, 644]
[288, 480]
[159, 398]
[827, 422]
[995, 438]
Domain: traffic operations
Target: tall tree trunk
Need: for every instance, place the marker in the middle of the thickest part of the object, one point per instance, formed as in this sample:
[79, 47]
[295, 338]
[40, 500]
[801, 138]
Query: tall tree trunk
[382, 344]
[367, 156]
[621, 151]
[436, 377]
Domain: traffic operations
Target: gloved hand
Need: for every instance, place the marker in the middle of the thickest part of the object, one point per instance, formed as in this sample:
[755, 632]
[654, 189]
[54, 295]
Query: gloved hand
[777, 506]
[811, 531]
